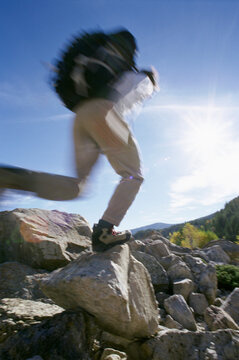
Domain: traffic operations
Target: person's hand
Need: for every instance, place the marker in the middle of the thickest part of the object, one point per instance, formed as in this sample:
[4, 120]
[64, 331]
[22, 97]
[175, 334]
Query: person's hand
[152, 75]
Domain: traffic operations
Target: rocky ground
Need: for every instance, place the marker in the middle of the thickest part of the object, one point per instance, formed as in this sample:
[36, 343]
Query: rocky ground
[140, 301]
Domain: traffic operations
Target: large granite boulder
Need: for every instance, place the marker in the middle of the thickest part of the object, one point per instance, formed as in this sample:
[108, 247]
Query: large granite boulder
[113, 286]
[41, 238]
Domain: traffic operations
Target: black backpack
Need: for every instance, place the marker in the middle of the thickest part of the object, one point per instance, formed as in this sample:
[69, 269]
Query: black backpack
[94, 60]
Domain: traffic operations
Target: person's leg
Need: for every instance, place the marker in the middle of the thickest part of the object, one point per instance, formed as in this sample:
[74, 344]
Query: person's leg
[123, 155]
[113, 136]
[44, 185]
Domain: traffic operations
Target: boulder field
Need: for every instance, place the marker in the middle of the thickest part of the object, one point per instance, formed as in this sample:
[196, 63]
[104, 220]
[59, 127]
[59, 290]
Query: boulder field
[146, 299]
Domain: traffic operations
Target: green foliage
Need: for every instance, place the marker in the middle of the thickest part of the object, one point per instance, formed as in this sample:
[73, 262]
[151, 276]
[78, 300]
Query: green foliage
[226, 222]
[191, 237]
[227, 276]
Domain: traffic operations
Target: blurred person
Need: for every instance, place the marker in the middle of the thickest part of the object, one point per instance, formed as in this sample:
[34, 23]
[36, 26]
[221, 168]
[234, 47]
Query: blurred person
[98, 80]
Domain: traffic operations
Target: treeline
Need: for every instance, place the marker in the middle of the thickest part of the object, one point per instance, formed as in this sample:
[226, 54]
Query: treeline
[224, 224]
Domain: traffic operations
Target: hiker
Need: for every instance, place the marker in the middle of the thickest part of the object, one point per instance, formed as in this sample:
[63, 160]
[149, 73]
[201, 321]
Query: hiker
[100, 85]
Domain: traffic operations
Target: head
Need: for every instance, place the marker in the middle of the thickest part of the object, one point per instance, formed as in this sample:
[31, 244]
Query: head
[125, 43]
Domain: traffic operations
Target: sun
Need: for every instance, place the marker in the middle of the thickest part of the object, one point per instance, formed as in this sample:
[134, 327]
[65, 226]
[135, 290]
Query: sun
[204, 133]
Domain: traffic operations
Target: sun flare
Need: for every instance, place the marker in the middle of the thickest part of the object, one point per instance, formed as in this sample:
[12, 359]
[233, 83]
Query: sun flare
[205, 133]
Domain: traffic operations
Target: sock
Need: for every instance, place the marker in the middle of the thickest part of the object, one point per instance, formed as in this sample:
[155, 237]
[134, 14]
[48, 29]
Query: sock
[105, 224]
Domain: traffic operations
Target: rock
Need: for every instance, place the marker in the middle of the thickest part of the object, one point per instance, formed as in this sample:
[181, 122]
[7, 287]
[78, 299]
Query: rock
[157, 248]
[172, 324]
[208, 283]
[231, 248]
[175, 344]
[198, 302]
[41, 238]
[198, 253]
[231, 305]
[113, 286]
[177, 307]
[204, 276]
[183, 287]
[172, 247]
[216, 254]
[169, 260]
[112, 354]
[179, 271]
[21, 281]
[65, 336]
[157, 273]
[216, 318]
[16, 314]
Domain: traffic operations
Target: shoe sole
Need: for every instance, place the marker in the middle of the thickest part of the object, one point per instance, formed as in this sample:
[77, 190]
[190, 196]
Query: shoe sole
[101, 247]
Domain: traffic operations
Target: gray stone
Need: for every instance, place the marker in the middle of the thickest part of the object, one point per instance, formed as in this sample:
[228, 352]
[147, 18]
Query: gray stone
[169, 260]
[157, 248]
[172, 324]
[183, 287]
[216, 318]
[198, 302]
[230, 247]
[157, 273]
[231, 305]
[208, 283]
[177, 307]
[113, 286]
[41, 238]
[179, 271]
[216, 254]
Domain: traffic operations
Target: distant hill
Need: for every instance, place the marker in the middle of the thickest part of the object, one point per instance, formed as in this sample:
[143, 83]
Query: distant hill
[156, 226]
[225, 223]
[197, 222]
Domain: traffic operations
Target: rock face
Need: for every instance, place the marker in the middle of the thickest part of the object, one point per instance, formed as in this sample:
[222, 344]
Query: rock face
[41, 238]
[112, 286]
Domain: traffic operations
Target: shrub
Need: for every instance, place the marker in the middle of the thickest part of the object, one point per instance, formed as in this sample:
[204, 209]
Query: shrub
[192, 237]
[227, 276]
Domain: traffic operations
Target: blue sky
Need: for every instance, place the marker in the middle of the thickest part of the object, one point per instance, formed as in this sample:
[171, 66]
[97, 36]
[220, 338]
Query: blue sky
[188, 132]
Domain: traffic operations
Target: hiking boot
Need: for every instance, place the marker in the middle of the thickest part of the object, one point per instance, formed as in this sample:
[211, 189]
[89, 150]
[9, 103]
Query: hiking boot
[104, 238]
[12, 177]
